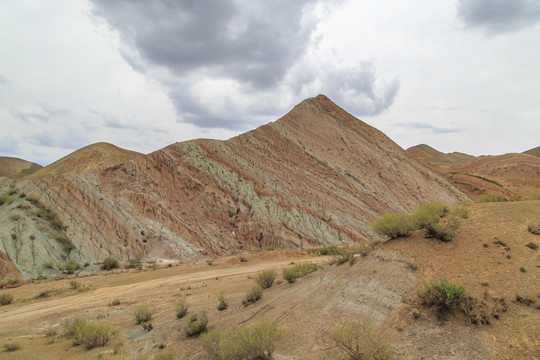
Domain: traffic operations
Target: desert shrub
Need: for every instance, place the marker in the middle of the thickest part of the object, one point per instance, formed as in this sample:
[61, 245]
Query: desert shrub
[491, 196]
[196, 324]
[327, 250]
[181, 308]
[6, 199]
[48, 264]
[6, 299]
[361, 340]
[8, 347]
[14, 217]
[460, 212]
[115, 302]
[395, 225]
[266, 278]
[70, 267]
[534, 228]
[532, 246]
[440, 232]
[169, 354]
[298, 270]
[242, 258]
[253, 295]
[222, 303]
[252, 343]
[443, 295]
[65, 242]
[430, 213]
[143, 313]
[500, 242]
[135, 263]
[50, 333]
[91, 334]
[109, 264]
[75, 285]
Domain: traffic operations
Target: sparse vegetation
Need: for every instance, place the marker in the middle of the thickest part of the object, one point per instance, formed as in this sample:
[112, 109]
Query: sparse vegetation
[169, 354]
[498, 241]
[251, 343]
[532, 246]
[491, 196]
[9, 347]
[395, 225]
[6, 199]
[181, 308]
[360, 340]
[291, 274]
[525, 299]
[143, 313]
[115, 302]
[70, 267]
[429, 213]
[48, 264]
[89, 333]
[242, 258]
[266, 278]
[444, 295]
[534, 228]
[109, 264]
[50, 333]
[6, 299]
[196, 324]
[222, 303]
[136, 262]
[14, 217]
[253, 295]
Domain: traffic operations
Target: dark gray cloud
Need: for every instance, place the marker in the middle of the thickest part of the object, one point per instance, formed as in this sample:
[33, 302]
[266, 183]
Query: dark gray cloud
[239, 53]
[499, 16]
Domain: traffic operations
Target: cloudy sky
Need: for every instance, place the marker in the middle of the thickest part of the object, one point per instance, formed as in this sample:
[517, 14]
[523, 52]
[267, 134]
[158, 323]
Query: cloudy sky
[458, 75]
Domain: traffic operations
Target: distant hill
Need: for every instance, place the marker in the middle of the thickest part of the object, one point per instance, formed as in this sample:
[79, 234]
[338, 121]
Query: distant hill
[533, 152]
[432, 157]
[87, 158]
[17, 168]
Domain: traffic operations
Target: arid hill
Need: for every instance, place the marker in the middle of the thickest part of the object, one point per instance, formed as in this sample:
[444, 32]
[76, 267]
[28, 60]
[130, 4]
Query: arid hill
[435, 158]
[17, 168]
[533, 152]
[89, 157]
[317, 176]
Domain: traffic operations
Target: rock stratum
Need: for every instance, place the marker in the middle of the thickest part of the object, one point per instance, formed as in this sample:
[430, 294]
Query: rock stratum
[317, 176]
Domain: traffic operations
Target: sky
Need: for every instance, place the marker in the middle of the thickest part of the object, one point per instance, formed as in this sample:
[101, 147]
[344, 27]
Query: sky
[460, 75]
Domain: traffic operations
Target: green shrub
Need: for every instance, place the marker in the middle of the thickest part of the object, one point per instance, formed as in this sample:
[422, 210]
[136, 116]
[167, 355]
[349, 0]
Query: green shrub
[395, 225]
[491, 196]
[109, 264]
[14, 217]
[254, 295]
[252, 343]
[360, 340]
[181, 308]
[9, 347]
[440, 232]
[443, 295]
[6, 199]
[532, 246]
[143, 313]
[460, 212]
[70, 267]
[222, 303]
[91, 334]
[266, 278]
[196, 324]
[430, 213]
[242, 258]
[327, 250]
[6, 299]
[298, 270]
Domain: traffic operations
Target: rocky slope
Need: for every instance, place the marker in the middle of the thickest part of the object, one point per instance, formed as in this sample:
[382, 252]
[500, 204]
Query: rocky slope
[317, 176]
[16, 168]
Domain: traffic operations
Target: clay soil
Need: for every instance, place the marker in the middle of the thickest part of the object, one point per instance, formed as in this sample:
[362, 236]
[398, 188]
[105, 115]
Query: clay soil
[381, 285]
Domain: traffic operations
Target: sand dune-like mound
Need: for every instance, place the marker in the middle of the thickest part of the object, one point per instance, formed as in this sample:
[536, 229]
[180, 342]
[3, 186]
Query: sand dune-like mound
[17, 168]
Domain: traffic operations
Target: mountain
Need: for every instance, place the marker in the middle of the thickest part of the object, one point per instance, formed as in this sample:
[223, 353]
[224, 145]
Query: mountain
[432, 157]
[16, 168]
[85, 159]
[317, 176]
[533, 152]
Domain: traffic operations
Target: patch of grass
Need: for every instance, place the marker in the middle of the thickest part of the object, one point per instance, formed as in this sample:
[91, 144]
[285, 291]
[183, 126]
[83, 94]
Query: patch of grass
[9, 347]
[48, 264]
[44, 293]
[395, 225]
[361, 340]
[222, 303]
[89, 333]
[6, 299]
[460, 212]
[169, 354]
[525, 299]
[50, 333]
[136, 262]
[291, 274]
[536, 196]
[444, 295]
[486, 245]
[326, 250]
[70, 267]
[252, 296]
[6, 199]
[498, 241]
[255, 342]
[196, 324]
[181, 308]
[532, 246]
[109, 264]
[534, 228]
[491, 196]
[143, 313]
[14, 217]
[265, 279]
